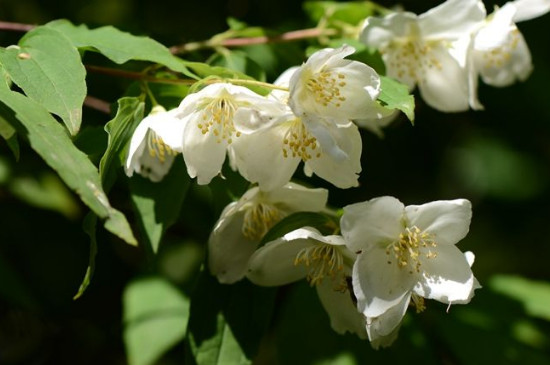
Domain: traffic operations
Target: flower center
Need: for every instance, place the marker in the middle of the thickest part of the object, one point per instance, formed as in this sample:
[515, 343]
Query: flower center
[157, 148]
[322, 260]
[217, 118]
[410, 58]
[499, 57]
[417, 302]
[325, 87]
[259, 219]
[297, 142]
[408, 250]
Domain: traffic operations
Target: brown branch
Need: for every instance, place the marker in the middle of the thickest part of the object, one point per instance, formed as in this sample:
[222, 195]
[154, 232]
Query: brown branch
[97, 104]
[236, 42]
[16, 27]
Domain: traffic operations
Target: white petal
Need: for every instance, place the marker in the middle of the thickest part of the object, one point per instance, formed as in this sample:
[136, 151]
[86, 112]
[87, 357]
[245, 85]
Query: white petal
[228, 249]
[273, 264]
[202, 153]
[371, 223]
[446, 278]
[379, 32]
[379, 286]
[447, 220]
[170, 128]
[382, 330]
[343, 314]
[343, 169]
[444, 86]
[138, 144]
[529, 9]
[383, 117]
[259, 158]
[328, 134]
[452, 19]
[294, 198]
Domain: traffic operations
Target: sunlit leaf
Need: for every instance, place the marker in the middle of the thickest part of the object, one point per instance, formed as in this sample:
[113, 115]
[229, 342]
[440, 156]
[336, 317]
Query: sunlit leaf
[395, 95]
[49, 139]
[348, 12]
[119, 46]
[534, 295]
[155, 319]
[49, 70]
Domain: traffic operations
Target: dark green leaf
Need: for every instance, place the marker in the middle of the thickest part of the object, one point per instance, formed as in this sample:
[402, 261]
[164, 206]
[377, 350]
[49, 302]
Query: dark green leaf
[119, 129]
[118, 46]
[90, 224]
[10, 135]
[158, 203]
[49, 70]
[395, 95]
[155, 317]
[49, 139]
[239, 61]
[534, 295]
[227, 322]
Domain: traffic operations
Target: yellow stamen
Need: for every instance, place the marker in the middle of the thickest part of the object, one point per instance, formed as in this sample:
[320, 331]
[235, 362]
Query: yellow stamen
[322, 260]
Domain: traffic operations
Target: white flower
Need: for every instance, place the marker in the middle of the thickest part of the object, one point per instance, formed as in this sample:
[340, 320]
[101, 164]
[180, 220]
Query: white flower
[417, 50]
[329, 86]
[155, 142]
[210, 125]
[530, 9]
[323, 260]
[269, 154]
[406, 253]
[242, 225]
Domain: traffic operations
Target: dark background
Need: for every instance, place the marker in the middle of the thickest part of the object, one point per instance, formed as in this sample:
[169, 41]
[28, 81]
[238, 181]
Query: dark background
[498, 158]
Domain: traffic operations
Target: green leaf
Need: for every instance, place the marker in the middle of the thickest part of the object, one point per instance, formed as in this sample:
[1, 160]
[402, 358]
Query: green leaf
[227, 322]
[90, 224]
[49, 70]
[118, 46]
[322, 222]
[347, 12]
[10, 135]
[120, 130]
[49, 139]
[158, 204]
[534, 295]
[395, 95]
[239, 61]
[155, 318]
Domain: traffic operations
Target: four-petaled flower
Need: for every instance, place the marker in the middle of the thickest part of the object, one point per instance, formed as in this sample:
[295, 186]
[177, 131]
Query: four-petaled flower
[406, 253]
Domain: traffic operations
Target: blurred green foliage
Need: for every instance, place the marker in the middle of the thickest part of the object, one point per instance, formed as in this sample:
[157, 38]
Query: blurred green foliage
[498, 158]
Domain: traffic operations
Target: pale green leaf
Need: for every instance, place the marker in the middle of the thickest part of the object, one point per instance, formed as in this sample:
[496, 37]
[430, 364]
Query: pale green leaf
[395, 95]
[50, 140]
[158, 204]
[155, 319]
[345, 12]
[534, 295]
[119, 46]
[120, 130]
[9, 134]
[49, 70]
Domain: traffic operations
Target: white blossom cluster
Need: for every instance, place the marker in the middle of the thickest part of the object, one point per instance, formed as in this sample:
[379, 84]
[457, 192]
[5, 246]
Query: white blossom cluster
[446, 49]
[383, 256]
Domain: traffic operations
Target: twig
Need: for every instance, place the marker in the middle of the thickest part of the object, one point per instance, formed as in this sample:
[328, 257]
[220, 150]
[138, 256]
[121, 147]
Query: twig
[136, 75]
[236, 42]
[16, 27]
[97, 104]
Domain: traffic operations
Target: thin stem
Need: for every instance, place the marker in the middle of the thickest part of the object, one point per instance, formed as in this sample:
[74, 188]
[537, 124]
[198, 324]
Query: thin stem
[97, 104]
[137, 75]
[16, 27]
[237, 42]
[254, 83]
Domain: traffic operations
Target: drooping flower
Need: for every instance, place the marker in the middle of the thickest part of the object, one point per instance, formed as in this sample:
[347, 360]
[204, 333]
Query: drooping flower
[210, 125]
[418, 50]
[326, 264]
[243, 224]
[407, 253]
[155, 143]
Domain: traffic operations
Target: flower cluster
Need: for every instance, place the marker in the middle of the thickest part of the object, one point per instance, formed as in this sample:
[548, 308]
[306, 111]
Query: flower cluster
[444, 50]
